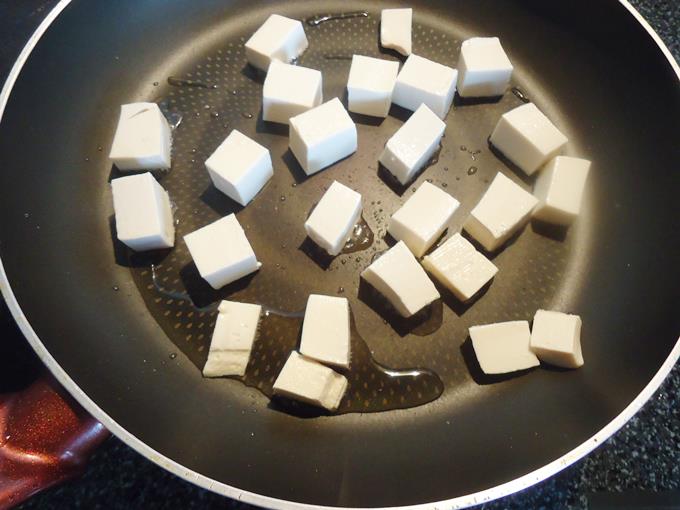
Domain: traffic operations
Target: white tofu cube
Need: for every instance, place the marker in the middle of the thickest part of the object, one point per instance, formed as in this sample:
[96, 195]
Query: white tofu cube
[143, 213]
[502, 211]
[423, 218]
[556, 339]
[279, 38]
[395, 29]
[323, 135]
[559, 190]
[412, 146]
[422, 81]
[222, 252]
[398, 276]
[460, 267]
[289, 90]
[311, 382]
[240, 167]
[503, 347]
[143, 138]
[527, 137]
[370, 85]
[232, 339]
[484, 70]
[325, 330]
[332, 220]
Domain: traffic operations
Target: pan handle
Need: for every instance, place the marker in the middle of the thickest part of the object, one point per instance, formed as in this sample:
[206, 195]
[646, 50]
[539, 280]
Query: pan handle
[45, 438]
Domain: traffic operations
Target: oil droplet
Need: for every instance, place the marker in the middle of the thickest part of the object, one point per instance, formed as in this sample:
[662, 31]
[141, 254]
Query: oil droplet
[206, 107]
[99, 148]
[198, 114]
[233, 92]
[472, 170]
[444, 185]
[173, 355]
[87, 159]
[429, 180]
[282, 198]
[193, 150]
[315, 21]
[214, 115]
[26, 215]
[463, 148]
[446, 168]
[520, 95]
[115, 288]
[294, 185]
[361, 238]
[341, 290]
[247, 115]
[155, 84]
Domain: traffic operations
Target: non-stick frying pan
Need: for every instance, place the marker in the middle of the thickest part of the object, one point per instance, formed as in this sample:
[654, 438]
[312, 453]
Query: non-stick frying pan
[127, 334]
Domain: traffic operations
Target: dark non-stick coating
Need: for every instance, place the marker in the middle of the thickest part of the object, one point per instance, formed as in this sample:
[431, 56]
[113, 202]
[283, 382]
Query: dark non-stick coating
[587, 64]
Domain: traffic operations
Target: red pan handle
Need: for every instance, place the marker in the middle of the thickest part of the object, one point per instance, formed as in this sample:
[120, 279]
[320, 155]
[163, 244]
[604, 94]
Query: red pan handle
[45, 438]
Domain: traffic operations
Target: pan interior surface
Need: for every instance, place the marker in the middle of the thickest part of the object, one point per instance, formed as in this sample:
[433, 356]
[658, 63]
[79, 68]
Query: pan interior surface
[133, 331]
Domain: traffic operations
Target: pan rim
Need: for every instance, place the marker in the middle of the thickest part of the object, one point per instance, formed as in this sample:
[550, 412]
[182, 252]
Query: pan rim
[205, 482]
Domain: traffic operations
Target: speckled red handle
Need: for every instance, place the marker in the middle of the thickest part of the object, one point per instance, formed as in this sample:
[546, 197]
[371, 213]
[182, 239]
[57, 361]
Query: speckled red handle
[45, 438]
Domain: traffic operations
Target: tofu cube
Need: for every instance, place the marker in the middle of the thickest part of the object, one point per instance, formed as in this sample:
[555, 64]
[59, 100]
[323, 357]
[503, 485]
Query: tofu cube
[559, 190]
[232, 339]
[422, 81]
[484, 70]
[556, 339]
[311, 382]
[423, 218]
[240, 167]
[412, 146]
[395, 29]
[289, 90]
[527, 137]
[279, 38]
[370, 85]
[332, 220]
[458, 266]
[222, 252]
[398, 276]
[323, 135]
[502, 211]
[143, 213]
[325, 330]
[503, 347]
[143, 138]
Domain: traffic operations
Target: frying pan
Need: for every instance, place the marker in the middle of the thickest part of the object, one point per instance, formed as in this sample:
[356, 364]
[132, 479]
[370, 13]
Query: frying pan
[128, 341]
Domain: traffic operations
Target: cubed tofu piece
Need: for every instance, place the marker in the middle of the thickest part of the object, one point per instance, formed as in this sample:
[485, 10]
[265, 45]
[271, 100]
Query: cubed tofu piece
[279, 38]
[412, 146]
[232, 339]
[143, 138]
[311, 382]
[289, 90]
[332, 220]
[422, 81]
[240, 167]
[398, 276]
[395, 29]
[503, 347]
[222, 252]
[325, 330]
[484, 70]
[559, 190]
[527, 137]
[423, 218]
[556, 338]
[143, 213]
[322, 136]
[458, 266]
[370, 85]
[502, 211]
